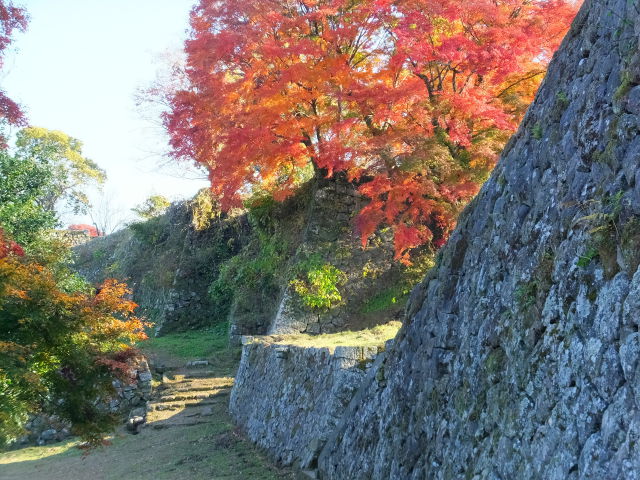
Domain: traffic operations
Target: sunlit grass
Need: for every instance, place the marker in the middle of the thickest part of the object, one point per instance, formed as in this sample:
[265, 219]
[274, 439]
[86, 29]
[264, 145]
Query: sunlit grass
[193, 344]
[371, 337]
[38, 453]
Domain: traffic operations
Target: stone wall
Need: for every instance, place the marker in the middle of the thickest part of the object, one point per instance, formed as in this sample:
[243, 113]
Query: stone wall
[168, 263]
[520, 357]
[289, 399]
[72, 238]
[330, 232]
[173, 267]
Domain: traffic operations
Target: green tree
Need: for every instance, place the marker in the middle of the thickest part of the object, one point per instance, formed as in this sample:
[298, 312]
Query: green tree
[59, 350]
[153, 206]
[71, 171]
[24, 183]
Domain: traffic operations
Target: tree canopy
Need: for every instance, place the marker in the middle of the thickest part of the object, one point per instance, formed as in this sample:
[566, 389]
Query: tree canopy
[413, 98]
[152, 207]
[24, 183]
[59, 350]
[46, 172]
[71, 172]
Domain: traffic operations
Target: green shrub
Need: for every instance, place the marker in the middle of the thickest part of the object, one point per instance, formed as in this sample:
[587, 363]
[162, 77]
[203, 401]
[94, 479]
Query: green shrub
[537, 131]
[317, 283]
[151, 232]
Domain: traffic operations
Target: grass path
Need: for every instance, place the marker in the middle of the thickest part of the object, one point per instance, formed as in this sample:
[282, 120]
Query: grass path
[189, 434]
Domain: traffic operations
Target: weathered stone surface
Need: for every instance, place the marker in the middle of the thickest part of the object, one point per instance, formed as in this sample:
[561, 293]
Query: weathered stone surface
[329, 232]
[519, 358]
[288, 399]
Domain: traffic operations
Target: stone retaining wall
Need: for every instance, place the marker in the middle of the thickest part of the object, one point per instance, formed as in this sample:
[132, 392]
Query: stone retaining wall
[520, 355]
[289, 399]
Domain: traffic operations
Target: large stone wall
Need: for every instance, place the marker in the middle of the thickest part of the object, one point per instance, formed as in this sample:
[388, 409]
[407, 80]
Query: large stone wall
[288, 399]
[168, 263]
[520, 357]
[330, 232]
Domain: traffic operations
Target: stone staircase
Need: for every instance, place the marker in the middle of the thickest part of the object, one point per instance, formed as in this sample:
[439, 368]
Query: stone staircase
[186, 396]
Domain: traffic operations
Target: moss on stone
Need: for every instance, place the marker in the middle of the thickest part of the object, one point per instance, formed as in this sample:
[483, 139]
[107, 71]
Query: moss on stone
[626, 84]
[537, 131]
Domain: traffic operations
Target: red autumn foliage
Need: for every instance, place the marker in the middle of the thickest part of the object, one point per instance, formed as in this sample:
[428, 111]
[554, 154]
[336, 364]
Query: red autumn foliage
[419, 95]
[9, 247]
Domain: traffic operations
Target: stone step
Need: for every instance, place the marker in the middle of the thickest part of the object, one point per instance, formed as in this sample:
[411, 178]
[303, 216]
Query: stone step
[178, 397]
[202, 374]
[195, 396]
[197, 364]
[203, 388]
[185, 378]
[175, 406]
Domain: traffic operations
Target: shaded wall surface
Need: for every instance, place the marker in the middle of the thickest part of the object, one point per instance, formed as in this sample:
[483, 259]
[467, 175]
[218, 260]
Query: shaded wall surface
[288, 399]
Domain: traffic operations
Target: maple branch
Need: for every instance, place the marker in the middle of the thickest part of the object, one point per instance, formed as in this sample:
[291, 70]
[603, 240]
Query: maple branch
[520, 80]
[428, 84]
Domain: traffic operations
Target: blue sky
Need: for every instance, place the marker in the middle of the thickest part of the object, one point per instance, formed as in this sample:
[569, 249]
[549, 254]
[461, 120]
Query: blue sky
[77, 68]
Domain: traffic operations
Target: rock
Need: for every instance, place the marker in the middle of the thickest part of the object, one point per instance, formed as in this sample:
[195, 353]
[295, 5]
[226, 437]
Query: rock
[309, 459]
[281, 352]
[520, 358]
[134, 423]
[145, 376]
[138, 412]
[198, 363]
[633, 101]
[306, 475]
[206, 412]
[49, 434]
[288, 399]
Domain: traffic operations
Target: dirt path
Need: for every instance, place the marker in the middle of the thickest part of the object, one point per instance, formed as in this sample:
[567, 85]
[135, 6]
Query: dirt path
[188, 435]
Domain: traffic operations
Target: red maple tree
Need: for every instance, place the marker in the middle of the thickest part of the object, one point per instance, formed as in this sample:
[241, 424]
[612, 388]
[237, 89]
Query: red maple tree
[414, 99]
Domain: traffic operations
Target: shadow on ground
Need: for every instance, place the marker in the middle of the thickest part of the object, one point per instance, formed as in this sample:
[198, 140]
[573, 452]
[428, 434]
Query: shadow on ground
[188, 434]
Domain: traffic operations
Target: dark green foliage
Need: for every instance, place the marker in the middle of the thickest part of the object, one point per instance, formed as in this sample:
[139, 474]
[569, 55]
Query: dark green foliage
[23, 185]
[537, 131]
[151, 232]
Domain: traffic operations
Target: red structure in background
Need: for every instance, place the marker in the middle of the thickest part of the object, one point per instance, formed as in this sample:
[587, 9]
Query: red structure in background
[89, 229]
